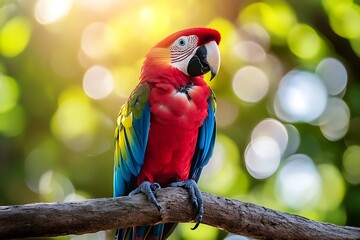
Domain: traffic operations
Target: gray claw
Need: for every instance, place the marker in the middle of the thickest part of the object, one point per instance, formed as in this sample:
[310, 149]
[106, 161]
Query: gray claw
[195, 197]
[148, 189]
[155, 186]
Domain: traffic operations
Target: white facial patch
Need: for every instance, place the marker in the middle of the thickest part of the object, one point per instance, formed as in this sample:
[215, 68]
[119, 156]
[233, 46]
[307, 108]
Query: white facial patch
[182, 50]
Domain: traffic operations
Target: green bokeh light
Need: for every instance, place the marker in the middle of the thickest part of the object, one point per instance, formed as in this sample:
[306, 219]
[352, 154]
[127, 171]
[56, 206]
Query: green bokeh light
[12, 122]
[344, 20]
[330, 5]
[355, 44]
[9, 93]
[351, 163]
[304, 41]
[202, 232]
[333, 187]
[15, 36]
[72, 122]
[276, 16]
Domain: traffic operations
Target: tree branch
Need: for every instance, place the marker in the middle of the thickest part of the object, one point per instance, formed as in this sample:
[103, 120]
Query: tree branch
[53, 219]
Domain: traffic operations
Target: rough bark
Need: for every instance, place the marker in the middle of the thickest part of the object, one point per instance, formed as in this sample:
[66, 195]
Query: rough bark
[54, 219]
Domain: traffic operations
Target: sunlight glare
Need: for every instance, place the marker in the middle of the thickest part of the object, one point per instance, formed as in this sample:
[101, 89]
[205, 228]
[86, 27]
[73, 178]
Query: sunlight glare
[98, 82]
[51, 11]
[262, 157]
[250, 84]
[273, 129]
[294, 140]
[97, 5]
[249, 51]
[95, 40]
[54, 186]
[334, 75]
[299, 183]
[334, 122]
[301, 97]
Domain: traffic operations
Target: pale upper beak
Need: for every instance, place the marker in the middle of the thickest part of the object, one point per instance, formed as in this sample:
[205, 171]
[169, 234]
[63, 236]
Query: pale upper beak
[205, 59]
[213, 58]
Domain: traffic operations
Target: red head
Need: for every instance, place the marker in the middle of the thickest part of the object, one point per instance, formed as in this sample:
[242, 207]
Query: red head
[192, 51]
[204, 35]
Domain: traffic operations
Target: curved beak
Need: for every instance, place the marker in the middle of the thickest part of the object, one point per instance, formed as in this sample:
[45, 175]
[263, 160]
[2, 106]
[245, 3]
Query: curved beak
[206, 58]
[213, 58]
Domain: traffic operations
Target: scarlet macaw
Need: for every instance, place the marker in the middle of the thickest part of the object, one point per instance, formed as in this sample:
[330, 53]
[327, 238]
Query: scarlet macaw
[166, 130]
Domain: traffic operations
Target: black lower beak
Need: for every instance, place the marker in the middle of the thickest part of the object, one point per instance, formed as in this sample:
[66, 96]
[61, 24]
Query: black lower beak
[198, 65]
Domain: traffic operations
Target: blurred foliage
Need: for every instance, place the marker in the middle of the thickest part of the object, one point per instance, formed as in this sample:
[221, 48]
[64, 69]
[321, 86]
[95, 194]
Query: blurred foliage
[288, 100]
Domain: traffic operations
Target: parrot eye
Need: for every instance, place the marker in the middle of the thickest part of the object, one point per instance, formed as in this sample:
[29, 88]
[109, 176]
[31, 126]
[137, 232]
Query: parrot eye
[181, 49]
[182, 42]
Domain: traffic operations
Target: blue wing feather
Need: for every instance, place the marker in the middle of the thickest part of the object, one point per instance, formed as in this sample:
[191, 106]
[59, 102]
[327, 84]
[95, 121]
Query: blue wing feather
[130, 140]
[206, 141]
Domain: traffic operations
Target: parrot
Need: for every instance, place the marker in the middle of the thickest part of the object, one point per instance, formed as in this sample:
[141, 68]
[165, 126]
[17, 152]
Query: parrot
[165, 131]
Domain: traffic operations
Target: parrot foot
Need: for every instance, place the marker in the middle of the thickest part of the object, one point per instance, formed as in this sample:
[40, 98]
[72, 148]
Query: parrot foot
[148, 189]
[195, 197]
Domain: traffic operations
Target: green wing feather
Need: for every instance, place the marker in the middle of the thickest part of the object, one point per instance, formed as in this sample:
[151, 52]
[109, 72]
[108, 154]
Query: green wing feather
[131, 135]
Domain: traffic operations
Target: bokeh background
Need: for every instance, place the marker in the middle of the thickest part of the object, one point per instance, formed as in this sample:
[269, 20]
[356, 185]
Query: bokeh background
[288, 96]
